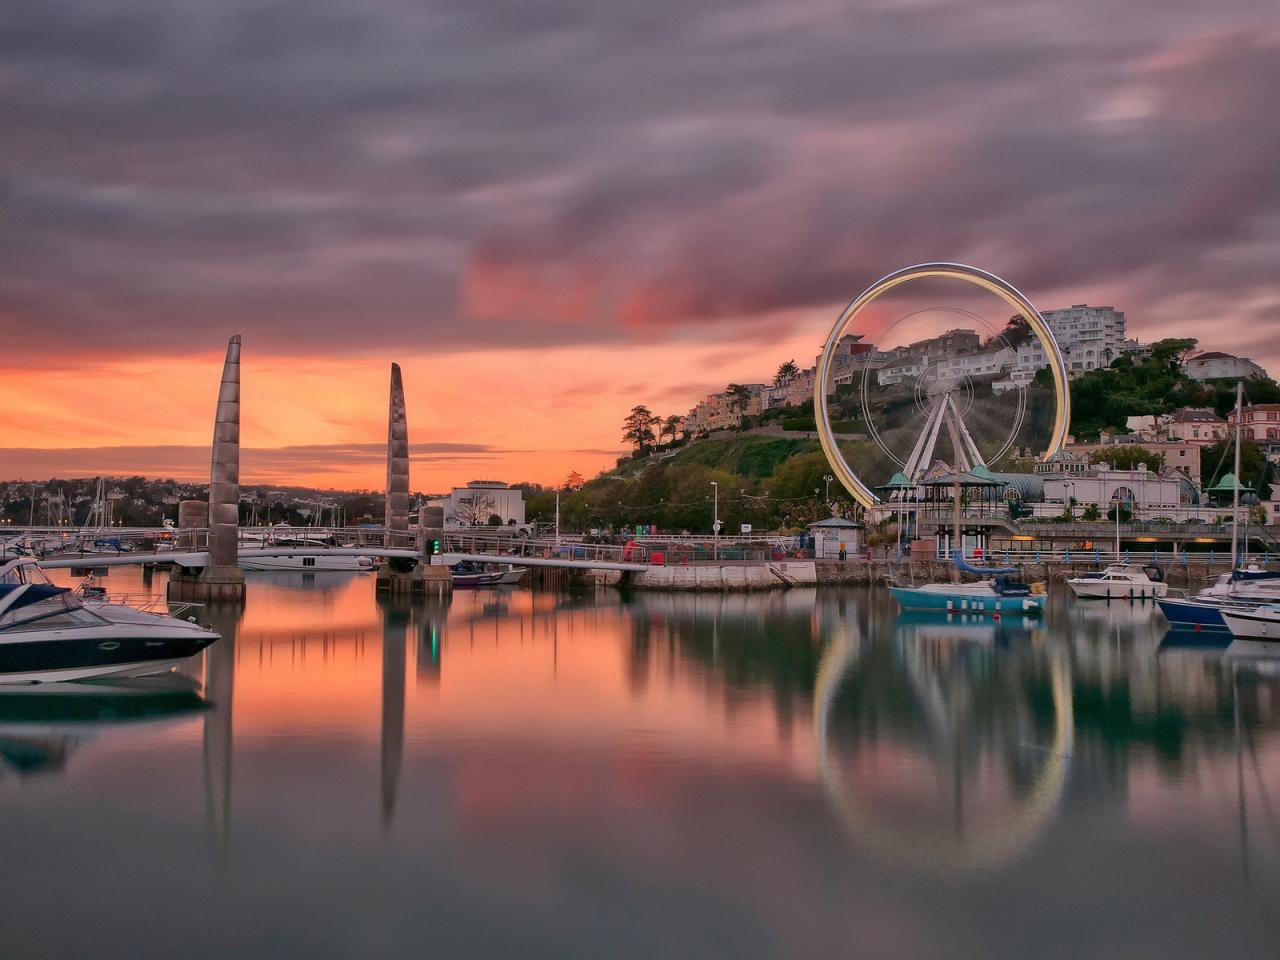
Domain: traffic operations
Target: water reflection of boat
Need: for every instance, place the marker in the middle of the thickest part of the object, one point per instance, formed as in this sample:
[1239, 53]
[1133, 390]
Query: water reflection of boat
[970, 627]
[300, 580]
[1131, 613]
[1211, 643]
[41, 725]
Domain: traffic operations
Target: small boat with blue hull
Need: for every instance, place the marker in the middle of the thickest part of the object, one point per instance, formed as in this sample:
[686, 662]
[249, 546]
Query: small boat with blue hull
[997, 595]
[1241, 589]
[1192, 612]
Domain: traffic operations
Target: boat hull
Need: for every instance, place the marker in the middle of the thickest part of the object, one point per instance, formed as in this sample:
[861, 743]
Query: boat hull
[1115, 590]
[914, 598]
[1252, 625]
[79, 658]
[1189, 613]
[318, 564]
[474, 580]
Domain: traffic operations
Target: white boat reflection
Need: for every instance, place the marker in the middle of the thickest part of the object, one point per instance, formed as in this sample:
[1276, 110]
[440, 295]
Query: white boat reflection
[966, 627]
[41, 725]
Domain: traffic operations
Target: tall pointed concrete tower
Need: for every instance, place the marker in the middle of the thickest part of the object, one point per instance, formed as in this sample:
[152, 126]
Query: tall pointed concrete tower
[224, 478]
[397, 513]
[221, 578]
[405, 574]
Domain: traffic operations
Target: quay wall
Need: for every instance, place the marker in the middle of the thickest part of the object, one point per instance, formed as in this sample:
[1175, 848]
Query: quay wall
[1176, 573]
[783, 574]
[717, 576]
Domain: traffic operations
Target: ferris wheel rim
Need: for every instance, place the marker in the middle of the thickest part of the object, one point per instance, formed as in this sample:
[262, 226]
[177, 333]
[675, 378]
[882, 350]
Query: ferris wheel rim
[946, 270]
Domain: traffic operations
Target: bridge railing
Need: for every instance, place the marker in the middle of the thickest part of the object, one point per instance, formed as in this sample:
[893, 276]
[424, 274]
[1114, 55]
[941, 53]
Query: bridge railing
[511, 549]
[1096, 555]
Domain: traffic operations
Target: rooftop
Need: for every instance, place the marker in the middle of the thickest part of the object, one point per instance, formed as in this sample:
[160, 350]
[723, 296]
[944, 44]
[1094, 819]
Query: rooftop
[1191, 415]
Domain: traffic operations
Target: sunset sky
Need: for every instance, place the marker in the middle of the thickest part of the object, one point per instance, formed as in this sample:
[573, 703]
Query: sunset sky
[549, 211]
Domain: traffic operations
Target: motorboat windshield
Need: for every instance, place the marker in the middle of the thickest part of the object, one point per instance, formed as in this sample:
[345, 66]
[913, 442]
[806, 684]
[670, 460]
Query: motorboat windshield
[20, 571]
[28, 601]
[42, 607]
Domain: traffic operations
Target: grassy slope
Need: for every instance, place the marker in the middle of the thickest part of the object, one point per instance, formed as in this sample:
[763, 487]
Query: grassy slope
[748, 456]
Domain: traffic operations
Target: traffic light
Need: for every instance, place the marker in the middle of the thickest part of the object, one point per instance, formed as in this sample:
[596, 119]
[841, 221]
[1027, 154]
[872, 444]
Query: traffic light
[435, 547]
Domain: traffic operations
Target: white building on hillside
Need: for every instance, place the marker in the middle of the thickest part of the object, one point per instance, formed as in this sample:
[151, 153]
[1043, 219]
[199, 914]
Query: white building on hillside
[909, 370]
[474, 504]
[1089, 337]
[1193, 426]
[987, 363]
[795, 391]
[1222, 366]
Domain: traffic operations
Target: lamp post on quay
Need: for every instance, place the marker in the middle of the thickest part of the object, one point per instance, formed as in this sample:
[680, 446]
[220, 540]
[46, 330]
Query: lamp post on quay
[715, 523]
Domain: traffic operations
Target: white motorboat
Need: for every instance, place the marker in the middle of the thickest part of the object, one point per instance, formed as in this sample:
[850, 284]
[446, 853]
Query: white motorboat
[311, 563]
[1120, 581]
[1260, 623]
[513, 575]
[311, 556]
[49, 634]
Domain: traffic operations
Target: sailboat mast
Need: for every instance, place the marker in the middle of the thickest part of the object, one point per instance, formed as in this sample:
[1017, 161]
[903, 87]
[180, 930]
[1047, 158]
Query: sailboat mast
[1235, 489]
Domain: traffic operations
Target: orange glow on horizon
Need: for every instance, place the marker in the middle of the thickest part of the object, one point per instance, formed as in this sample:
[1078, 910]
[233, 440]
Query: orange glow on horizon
[521, 415]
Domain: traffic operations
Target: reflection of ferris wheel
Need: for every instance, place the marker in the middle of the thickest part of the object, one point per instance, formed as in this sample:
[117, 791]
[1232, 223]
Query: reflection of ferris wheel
[938, 389]
[982, 848]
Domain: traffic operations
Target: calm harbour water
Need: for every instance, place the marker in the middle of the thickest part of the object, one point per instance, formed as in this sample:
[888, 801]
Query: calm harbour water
[518, 774]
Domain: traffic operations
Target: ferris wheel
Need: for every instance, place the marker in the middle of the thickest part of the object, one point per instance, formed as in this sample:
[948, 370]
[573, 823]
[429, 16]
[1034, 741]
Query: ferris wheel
[964, 394]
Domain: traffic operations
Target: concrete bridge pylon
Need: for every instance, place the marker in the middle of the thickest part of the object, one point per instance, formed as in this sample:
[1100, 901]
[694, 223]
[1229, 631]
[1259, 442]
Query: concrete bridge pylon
[397, 575]
[221, 578]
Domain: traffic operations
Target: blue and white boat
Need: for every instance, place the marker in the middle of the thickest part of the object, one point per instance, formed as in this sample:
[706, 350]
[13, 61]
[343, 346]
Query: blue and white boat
[1242, 589]
[1002, 592]
[998, 595]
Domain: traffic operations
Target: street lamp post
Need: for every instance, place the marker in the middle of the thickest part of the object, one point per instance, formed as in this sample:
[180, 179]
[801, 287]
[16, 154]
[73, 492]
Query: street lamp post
[827, 494]
[1071, 514]
[1115, 499]
[557, 519]
[715, 523]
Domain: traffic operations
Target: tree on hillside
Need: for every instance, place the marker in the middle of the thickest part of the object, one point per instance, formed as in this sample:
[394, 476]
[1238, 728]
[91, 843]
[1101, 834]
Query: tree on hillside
[573, 481]
[1128, 458]
[1173, 351]
[1016, 332]
[787, 372]
[671, 426]
[739, 396]
[637, 428]
[1103, 399]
